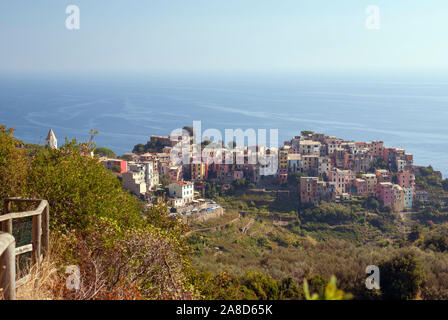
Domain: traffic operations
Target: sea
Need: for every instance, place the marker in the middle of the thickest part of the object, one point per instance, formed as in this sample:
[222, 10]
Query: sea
[408, 110]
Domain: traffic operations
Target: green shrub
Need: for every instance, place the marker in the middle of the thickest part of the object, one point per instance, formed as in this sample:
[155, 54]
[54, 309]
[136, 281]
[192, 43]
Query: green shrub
[13, 165]
[104, 152]
[79, 187]
[401, 276]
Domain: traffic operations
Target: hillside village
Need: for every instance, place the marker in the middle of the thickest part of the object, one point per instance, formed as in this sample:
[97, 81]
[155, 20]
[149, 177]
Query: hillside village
[327, 169]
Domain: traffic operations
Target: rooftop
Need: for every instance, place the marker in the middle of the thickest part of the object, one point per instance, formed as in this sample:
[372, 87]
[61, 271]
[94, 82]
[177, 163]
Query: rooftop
[294, 156]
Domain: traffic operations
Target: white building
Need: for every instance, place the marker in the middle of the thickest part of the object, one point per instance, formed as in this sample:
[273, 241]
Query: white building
[151, 177]
[408, 196]
[309, 147]
[401, 165]
[324, 165]
[134, 181]
[51, 140]
[181, 192]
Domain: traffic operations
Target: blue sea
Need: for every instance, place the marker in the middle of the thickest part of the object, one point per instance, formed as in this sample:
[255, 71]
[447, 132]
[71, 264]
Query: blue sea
[403, 110]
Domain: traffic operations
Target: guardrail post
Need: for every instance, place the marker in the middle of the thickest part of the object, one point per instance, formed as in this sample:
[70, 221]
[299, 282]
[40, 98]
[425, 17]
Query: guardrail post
[7, 225]
[36, 239]
[46, 230]
[8, 266]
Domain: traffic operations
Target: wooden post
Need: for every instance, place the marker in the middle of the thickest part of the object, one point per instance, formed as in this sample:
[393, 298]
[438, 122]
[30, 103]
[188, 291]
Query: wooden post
[46, 230]
[8, 266]
[7, 225]
[36, 239]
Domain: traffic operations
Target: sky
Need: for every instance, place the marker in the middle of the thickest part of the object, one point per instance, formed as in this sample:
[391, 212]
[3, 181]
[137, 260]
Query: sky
[223, 35]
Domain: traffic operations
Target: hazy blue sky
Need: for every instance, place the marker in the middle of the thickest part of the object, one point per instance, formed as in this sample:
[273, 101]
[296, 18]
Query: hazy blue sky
[204, 35]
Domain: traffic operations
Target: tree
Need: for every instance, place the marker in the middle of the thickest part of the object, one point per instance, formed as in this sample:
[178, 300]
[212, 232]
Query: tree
[13, 165]
[164, 180]
[445, 184]
[126, 157]
[401, 277]
[426, 171]
[416, 232]
[79, 187]
[317, 283]
[104, 152]
[261, 285]
[139, 148]
[123, 252]
[379, 164]
[289, 289]
[372, 203]
[189, 129]
[294, 179]
[32, 149]
[116, 169]
[330, 292]
[306, 132]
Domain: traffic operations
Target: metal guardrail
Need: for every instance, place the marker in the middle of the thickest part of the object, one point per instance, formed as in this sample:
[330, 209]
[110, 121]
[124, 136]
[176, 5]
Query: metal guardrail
[39, 246]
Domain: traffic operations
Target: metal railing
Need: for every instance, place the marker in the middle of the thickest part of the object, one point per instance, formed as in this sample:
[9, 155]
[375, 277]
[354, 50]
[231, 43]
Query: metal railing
[39, 246]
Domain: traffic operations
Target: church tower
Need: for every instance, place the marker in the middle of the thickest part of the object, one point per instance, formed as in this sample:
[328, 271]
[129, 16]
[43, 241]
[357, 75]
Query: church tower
[51, 140]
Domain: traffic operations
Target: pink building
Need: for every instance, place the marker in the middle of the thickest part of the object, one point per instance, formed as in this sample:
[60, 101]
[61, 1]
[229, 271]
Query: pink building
[385, 193]
[146, 157]
[383, 175]
[112, 164]
[341, 179]
[309, 189]
[376, 149]
[361, 187]
[406, 179]
[283, 176]
[391, 195]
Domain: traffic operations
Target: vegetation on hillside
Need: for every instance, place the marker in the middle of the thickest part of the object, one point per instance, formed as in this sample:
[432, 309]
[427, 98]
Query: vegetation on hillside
[266, 246]
[122, 251]
[277, 237]
[104, 152]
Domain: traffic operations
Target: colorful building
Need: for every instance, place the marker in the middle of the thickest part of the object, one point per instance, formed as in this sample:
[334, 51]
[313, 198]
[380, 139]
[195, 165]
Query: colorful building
[371, 181]
[406, 179]
[309, 190]
[181, 192]
[408, 197]
[390, 194]
[385, 193]
[198, 171]
[360, 186]
[294, 163]
[116, 165]
[383, 175]
[341, 179]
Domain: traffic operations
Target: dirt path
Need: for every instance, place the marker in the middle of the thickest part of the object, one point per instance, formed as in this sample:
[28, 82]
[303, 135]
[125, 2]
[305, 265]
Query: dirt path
[246, 228]
[213, 228]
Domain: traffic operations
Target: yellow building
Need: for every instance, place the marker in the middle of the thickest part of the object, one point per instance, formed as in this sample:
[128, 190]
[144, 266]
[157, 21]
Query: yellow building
[371, 183]
[283, 158]
[399, 198]
[197, 171]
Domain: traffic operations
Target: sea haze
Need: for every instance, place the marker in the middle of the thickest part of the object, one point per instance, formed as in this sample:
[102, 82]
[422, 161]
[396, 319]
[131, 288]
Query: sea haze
[407, 110]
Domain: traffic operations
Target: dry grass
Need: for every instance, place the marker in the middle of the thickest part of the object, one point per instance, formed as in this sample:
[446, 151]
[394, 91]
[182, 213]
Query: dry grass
[40, 284]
